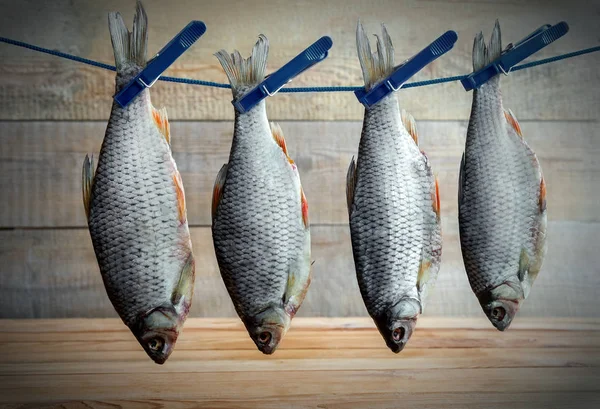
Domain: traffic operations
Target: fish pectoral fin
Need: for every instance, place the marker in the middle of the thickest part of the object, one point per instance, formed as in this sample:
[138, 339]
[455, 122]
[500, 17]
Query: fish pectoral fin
[523, 265]
[87, 180]
[162, 123]
[410, 125]
[426, 278]
[297, 286]
[350, 184]
[299, 277]
[185, 286]
[218, 189]
[423, 274]
[512, 122]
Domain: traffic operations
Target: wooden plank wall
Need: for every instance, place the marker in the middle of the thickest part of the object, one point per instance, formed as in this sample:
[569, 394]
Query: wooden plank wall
[53, 112]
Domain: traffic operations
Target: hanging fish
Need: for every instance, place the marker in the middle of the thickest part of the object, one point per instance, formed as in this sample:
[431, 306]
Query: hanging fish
[393, 206]
[502, 200]
[135, 208]
[260, 215]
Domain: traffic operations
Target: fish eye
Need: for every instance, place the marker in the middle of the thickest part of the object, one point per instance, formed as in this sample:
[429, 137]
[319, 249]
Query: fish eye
[398, 334]
[155, 344]
[264, 337]
[498, 313]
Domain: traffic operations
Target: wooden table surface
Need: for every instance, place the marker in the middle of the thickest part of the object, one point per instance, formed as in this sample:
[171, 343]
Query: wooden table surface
[322, 363]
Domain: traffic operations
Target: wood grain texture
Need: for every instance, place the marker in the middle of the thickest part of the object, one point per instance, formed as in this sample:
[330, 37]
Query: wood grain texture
[322, 363]
[489, 400]
[54, 273]
[40, 166]
[36, 86]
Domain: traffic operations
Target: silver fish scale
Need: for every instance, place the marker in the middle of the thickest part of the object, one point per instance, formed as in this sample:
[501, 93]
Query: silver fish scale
[392, 220]
[133, 222]
[500, 194]
[258, 230]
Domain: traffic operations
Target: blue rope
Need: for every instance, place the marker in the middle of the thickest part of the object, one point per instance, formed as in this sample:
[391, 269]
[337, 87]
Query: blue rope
[57, 53]
[290, 89]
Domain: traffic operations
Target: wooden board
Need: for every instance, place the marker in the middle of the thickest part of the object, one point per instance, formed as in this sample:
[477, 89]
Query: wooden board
[54, 273]
[40, 166]
[321, 363]
[36, 86]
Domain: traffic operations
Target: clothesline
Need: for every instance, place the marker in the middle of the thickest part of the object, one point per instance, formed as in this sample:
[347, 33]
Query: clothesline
[290, 89]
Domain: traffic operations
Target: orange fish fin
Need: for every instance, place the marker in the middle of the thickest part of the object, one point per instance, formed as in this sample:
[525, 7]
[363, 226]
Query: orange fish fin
[218, 189]
[512, 121]
[278, 136]
[180, 196]
[410, 125]
[162, 122]
[542, 200]
[435, 198]
[304, 204]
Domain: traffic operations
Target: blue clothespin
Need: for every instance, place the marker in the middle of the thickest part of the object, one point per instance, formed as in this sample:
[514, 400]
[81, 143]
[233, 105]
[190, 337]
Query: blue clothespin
[406, 70]
[317, 52]
[516, 53]
[156, 66]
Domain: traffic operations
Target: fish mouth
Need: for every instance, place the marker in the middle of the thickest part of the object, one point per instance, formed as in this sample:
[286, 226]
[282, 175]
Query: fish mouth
[501, 304]
[501, 313]
[398, 323]
[159, 344]
[157, 332]
[400, 333]
[267, 337]
[267, 328]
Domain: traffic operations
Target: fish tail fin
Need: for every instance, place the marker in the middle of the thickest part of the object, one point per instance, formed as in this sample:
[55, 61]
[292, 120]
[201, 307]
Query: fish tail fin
[379, 64]
[130, 48]
[482, 54]
[245, 73]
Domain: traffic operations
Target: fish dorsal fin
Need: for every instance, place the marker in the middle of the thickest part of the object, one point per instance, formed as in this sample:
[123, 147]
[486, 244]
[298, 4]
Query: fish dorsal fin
[350, 184]
[87, 180]
[410, 125]
[435, 197]
[162, 123]
[185, 286]
[512, 121]
[461, 176]
[218, 189]
[304, 207]
[181, 209]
